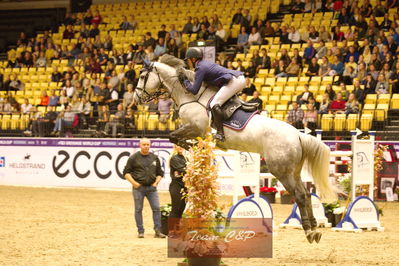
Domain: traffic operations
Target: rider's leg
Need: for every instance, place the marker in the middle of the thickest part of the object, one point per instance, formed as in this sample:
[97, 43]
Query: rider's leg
[235, 85]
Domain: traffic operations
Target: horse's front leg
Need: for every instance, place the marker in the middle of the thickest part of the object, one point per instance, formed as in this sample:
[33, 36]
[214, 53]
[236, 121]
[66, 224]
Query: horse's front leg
[184, 133]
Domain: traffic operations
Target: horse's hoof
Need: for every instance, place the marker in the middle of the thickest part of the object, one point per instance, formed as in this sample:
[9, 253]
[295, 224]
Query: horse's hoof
[317, 236]
[310, 236]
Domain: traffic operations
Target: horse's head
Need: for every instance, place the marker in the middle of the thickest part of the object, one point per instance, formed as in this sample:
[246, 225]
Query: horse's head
[149, 84]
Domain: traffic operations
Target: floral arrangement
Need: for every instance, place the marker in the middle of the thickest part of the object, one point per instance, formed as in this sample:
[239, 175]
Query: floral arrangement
[165, 211]
[378, 158]
[202, 196]
[200, 180]
[268, 189]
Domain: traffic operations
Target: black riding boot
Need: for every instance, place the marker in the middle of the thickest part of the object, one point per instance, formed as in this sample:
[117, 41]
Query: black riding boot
[217, 116]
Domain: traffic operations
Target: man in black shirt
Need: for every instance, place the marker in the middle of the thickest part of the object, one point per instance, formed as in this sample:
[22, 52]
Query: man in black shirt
[256, 99]
[143, 170]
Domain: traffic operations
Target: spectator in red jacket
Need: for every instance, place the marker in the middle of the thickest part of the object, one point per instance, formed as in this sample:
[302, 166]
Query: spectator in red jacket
[338, 105]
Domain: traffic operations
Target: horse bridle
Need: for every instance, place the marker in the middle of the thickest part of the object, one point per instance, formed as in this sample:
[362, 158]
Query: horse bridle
[148, 97]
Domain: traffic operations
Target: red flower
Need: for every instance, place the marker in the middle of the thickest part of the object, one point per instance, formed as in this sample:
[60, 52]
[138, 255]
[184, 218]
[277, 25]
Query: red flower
[268, 189]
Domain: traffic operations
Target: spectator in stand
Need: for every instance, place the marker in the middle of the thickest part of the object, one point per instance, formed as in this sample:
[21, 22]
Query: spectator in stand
[284, 35]
[44, 99]
[94, 31]
[304, 97]
[379, 9]
[254, 38]
[188, 27]
[352, 105]
[269, 30]
[330, 92]
[345, 93]
[65, 119]
[149, 41]
[12, 83]
[313, 102]
[325, 104]
[41, 61]
[321, 51]
[133, 22]
[125, 25]
[279, 71]
[285, 57]
[337, 67]
[305, 35]
[242, 40]
[162, 32]
[345, 19]
[113, 100]
[172, 48]
[338, 35]
[97, 19]
[294, 35]
[160, 48]
[249, 87]
[237, 18]
[369, 85]
[325, 67]
[153, 107]
[56, 75]
[68, 88]
[255, 99]
[68, 33]
[314, 68]
[116, 121]
[239, 66]
[250, 71]
[164, 108]
[295, 116]
[293, 69]
[309, 52]
[348, 75]
[149, 53]
[338, 105]
[394, 79]
[382, 86]
[313, 35]
[297, 57]
[310, 117]
[45, 124]
[203, 34]
[128, 98]
[53, 99]
[26, 107]
[298, 7]
[324, 35]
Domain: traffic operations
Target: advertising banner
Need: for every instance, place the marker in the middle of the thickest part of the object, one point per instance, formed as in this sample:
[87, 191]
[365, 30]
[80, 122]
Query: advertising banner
[89, 163]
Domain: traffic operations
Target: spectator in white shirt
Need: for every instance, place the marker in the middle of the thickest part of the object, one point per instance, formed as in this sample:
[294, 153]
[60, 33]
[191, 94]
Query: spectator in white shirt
[69, 89]
[221, 33]
[294, 35]
[26, 106]
[254, 38]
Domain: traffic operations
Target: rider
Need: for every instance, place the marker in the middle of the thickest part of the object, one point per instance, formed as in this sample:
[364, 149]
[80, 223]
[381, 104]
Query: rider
[229, 82]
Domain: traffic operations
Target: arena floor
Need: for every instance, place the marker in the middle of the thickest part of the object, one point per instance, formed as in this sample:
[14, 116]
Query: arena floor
[42, 226]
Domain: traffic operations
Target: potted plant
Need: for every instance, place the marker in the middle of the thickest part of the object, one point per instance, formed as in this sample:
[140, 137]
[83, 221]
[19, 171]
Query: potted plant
[269, 193]
[285, 197]
[202, 197]
[165, 212]
[333, 212]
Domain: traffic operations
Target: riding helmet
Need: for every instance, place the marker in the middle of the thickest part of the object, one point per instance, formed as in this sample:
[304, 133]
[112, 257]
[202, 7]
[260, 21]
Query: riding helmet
[194, 52]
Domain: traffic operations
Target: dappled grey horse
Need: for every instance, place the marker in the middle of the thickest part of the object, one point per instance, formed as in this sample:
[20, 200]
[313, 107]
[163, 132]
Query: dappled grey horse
[284, 148]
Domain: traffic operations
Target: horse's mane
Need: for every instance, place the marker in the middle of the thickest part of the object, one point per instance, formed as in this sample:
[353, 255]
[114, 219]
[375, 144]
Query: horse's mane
[172, 61]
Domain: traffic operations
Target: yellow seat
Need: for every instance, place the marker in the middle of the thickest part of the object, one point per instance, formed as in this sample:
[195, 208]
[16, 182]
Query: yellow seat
[152, 122]
[351, 122]
[383, 98]
[274, 99]
[366, 122]
[326, 122]
[381, 111]
[339, 122]
[281, 81]
[5, 122]
[371, 99]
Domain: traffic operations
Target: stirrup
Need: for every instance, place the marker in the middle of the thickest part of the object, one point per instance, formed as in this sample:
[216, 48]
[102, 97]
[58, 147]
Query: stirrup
[219, 137]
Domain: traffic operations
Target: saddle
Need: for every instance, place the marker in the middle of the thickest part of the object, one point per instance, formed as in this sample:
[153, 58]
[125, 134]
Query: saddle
[235, 103]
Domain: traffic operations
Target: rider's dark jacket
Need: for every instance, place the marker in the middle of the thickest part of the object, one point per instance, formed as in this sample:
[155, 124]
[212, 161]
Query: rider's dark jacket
[213, 74]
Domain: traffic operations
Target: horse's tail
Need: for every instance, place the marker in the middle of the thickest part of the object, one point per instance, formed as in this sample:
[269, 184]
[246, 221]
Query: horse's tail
[317, 155]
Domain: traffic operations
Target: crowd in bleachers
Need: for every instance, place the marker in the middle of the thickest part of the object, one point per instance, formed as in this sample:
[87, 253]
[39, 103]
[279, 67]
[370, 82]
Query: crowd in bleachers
[326, 59]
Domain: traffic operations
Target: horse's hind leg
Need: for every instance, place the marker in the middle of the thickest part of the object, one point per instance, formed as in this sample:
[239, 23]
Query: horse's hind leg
[312, 219]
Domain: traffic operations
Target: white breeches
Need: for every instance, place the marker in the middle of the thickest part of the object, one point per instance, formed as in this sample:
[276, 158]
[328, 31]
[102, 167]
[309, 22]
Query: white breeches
[234, 86]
